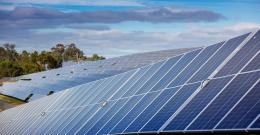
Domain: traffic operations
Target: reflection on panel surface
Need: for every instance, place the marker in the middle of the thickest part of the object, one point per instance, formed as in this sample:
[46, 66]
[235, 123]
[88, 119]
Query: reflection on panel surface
[197, 91]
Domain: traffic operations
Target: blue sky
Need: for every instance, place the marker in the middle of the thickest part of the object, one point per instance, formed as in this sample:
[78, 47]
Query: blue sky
[120, 27]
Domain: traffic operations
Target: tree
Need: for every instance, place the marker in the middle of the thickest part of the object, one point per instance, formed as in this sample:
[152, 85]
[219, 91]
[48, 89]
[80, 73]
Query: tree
[73, 53]
[96, 57]
[10, 69]
[11, 53]
[25, 56]
[2, 54]
[59, 49]
[14, 64]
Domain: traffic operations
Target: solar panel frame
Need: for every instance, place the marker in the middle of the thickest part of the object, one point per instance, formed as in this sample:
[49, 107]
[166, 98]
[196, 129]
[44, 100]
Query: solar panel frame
[235, 97]
[111, 123]
[150, 126]
[254, 63]
[218, 125]
[220, 58]
[255, 124]
[197, 103]
[240, 56]
[188, 69]
[175, 71]
[20, 124]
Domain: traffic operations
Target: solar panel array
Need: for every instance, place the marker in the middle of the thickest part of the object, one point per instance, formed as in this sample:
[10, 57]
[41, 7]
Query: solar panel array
[40, 84]
[210, 89]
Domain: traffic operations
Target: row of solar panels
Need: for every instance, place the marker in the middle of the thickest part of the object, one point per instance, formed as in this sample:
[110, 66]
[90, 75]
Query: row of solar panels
[210, 89]
[41, 84]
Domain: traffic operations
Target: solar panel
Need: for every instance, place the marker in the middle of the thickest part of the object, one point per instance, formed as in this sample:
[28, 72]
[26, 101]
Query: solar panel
[197, 63]
[195, 106]
[144, 102]
[143, 117]
[244, 112]
[42, 83]
[227, 99]
[193, 92]
[170, 107]
[255, 123]
[241, 57]
[174, 71]
[213, 63]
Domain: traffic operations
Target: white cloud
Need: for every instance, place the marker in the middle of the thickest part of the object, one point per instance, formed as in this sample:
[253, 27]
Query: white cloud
[79, 2]
[243, 27]
[111, 43]
[9, 7]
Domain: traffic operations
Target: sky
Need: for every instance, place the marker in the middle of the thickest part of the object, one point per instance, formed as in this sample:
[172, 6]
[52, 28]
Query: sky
[120, 27]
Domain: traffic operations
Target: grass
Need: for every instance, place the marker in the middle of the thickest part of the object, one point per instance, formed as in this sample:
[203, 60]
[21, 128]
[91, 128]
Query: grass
[8, 102]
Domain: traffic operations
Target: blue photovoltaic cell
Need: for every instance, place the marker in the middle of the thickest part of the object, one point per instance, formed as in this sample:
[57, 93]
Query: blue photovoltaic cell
[116, 86]
[158, 75]
[218, 58]
[131, 82]
[9, 114]
[225, 101]
[136, 124]
[168, 109]
[77, 121]
[242, 56]
[86, 92]
[244, 112]
[254, 64]
[80, 120]
[195, 64]
[256, 123]
[107, 91]
[67, 77]
[142, 80]
[103, 110]
[116, 109]
[195, 106]
[82, 91]
[56, 128]
[58, 120]
[126, 115]
[18, 123]
[66, 99]
[186, 59]
[45, 123]
[17, 126]
[35, 107]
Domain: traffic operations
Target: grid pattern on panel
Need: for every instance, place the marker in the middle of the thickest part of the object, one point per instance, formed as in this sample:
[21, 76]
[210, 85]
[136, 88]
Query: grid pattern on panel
[137, 123]
[175, 70]
[66, 77]
[221, 105]
[144, 102]
[242, 56]
[181, 121]
[170, 107]
[218, 58]
[167, 96]
[197, 63]
[245, 112]
[256, 123]
[254, 64]
[158, 75]
[143, 79]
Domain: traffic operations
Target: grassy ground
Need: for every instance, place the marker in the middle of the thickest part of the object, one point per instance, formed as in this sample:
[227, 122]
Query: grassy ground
[7, 102]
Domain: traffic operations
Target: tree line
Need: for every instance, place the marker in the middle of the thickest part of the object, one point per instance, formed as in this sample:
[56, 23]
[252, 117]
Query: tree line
[14, 63]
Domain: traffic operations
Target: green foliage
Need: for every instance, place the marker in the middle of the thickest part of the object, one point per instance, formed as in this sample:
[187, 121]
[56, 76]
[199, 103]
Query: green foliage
[10, 69]
[96, 57]
[14, 64]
